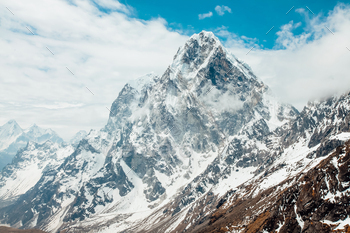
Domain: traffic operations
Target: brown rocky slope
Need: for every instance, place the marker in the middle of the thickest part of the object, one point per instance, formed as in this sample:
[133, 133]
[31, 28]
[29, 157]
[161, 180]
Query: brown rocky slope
[316, 201]
[4, 229]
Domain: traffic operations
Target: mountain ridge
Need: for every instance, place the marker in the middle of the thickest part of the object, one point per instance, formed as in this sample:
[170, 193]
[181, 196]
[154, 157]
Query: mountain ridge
[13, 137]
[178, 147]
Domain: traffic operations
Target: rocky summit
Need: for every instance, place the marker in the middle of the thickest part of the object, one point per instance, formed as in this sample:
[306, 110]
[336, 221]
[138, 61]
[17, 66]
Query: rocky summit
[205, 147]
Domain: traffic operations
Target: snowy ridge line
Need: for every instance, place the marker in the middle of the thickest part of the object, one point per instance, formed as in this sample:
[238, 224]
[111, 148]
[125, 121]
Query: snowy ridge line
[131, 166]
[299, 157]
[188, 89]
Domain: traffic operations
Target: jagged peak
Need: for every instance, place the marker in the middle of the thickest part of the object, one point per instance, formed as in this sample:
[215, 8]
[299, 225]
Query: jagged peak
[12, 122]
[11, 126]
[33, 128]
[204, 41]
[205, 37]
[198, 51]
[328, 100]
[78, 136]
[145, 80]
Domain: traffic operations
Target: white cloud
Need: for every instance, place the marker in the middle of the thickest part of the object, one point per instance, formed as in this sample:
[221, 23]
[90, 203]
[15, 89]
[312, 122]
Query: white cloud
[57, 105]
[114, 5]
[225, 102]
[103, 50]
[221, 9]
[206, 15]
[312, 65]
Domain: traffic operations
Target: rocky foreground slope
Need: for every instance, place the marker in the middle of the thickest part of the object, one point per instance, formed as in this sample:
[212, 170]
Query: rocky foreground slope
[203, 148]
[313, 139]
[316, 200]
[4, 229]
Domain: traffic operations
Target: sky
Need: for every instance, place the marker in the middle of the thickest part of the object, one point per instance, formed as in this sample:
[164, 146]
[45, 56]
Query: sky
[62, 62]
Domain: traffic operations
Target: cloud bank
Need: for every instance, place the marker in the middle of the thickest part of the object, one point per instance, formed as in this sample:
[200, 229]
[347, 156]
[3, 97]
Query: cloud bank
[306, 66]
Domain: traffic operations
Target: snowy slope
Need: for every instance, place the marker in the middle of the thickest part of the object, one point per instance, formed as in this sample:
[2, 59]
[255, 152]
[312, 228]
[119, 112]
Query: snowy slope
[288, 152]
[313, 200]
[78, 137]
[9, 132]
[28, 166]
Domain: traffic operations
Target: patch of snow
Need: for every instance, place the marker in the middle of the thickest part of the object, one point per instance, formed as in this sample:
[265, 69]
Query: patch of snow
[340, 223]
[299, 219]
[344, 136]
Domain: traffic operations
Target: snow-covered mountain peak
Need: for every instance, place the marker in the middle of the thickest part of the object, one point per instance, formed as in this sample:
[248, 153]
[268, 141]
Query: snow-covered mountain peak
[35, 130]
[13, 137]
[11, 127]
[9, 132]
[204, 38]
[12, 122]
[143, 81]
[196, 52]
[38, 134]
[204, 53]
[77, 137]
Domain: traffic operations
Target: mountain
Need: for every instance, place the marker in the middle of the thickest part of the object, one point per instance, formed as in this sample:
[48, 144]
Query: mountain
[13, 137]
[37, 134]
[9, 132]
[205, 147]
[163, 132]
[78, 137]
[316, 200]
[28, 166]
[302, 184]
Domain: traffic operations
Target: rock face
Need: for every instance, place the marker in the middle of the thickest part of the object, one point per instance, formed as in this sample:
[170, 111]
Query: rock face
[179, 149]
[297, 172]
[316, 201]
[13, 137]
[27, 167]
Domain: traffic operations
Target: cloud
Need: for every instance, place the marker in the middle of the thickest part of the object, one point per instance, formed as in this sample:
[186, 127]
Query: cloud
[221, 9]
[306, 66]
[224, 102]
[206, 15]
[112, 5]
[57, 105]
[100, 41]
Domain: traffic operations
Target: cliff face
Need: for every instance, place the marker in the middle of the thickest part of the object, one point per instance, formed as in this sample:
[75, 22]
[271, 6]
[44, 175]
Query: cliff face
[315, 201]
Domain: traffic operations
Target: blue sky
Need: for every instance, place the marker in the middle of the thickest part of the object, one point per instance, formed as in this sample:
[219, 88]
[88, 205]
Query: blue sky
[249, 18]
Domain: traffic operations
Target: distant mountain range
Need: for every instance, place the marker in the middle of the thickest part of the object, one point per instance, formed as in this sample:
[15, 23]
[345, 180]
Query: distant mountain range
[13, 137]
[205, 147]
